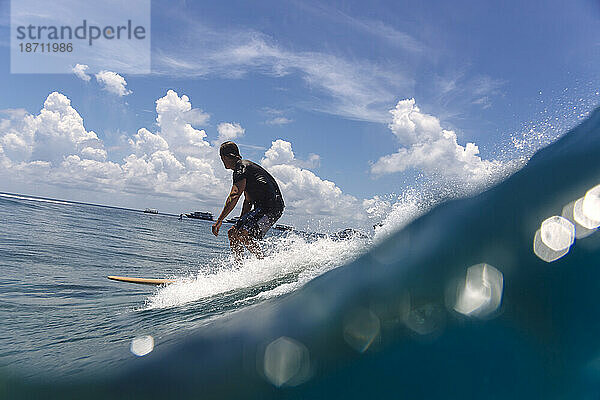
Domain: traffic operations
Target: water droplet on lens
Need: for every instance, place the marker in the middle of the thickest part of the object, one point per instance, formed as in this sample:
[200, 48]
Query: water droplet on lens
[480, 294]
[142, 345]
[557, 233]
[591, 205]
[361, 328]
[544, 252]
[286, 362]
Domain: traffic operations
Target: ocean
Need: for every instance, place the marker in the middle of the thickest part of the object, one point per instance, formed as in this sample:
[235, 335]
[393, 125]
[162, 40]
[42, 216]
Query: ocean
[490, 296]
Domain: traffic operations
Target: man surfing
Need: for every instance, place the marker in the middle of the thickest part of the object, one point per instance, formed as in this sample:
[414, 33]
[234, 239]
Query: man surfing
[263, 203]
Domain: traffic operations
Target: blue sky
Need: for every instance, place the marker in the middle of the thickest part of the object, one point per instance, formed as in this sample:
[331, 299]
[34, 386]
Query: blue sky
[326, 76]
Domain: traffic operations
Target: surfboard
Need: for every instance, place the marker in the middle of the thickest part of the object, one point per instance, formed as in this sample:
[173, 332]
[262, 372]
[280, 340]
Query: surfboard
[142, 281]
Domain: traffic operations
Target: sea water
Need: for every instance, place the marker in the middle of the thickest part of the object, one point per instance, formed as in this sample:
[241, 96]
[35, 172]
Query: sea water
[491, 296]
[62, 316]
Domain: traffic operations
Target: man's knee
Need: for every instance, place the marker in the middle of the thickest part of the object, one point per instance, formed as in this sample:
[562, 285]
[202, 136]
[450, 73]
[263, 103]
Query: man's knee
[232, 233]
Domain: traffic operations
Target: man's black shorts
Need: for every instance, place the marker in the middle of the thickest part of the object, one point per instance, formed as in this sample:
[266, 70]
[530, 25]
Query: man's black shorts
[258, 221]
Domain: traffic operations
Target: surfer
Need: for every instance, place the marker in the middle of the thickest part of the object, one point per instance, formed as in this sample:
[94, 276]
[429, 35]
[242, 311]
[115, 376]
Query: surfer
[263, 203]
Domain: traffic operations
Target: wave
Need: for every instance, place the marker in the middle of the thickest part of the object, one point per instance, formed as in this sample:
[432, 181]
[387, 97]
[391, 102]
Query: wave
[456, 304]
[494, 295]
[291, 261]
[295, 260]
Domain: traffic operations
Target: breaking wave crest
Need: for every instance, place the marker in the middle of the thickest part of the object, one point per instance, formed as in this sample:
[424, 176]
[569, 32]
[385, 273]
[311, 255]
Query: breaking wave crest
[291, 261]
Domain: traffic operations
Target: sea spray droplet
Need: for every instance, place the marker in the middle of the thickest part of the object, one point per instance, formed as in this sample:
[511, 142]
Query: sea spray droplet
[142, 345]
[294, 260]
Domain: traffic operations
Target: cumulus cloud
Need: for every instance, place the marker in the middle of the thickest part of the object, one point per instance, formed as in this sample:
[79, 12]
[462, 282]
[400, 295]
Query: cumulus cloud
[57, 131]
[79, 71]
[281, 152]
[55, 147]
[175, 160]
[112, 83]
[432, 150]
[304, 192]
[229, 131]
[175, 117]
[146, 142]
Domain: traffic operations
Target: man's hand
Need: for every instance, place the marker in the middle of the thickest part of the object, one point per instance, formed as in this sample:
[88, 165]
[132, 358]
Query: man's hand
[216, 226]
[236, 191]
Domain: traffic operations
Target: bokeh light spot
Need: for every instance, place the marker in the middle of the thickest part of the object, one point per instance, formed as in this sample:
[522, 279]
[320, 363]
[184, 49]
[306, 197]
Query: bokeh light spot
[361, 328]
[591, 205]
[544, 252]
[480, 294]
[426, 319]
[569, 213]
[581, 218]
[557, 233]
[286, 362]
[140, 346]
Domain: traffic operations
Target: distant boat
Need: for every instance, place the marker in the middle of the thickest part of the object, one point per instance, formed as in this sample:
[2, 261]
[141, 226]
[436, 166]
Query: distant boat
[201, 215]
[281, 227]
[151, 211]
[349, 233]
[232, 220]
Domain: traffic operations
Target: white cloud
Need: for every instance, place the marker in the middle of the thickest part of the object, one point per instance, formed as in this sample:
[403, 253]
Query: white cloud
[281, 153]
[175, 117]
[460, 90]
[54, 146]
[113, 83]
[375, 28]
[229, 131]
[175, 161]
[305, 193]
[276, 116]
[355, 89]
[79, 71]
[14, 112]
[94, 153]
[278, 121]
[146, 142]
[428, 148]
[57, 131]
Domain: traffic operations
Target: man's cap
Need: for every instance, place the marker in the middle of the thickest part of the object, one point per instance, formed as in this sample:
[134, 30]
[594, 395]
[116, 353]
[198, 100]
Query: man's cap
[229, 149]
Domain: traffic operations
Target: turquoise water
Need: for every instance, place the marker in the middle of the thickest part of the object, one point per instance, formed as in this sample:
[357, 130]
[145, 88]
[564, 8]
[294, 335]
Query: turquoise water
[466, 301]
[60, 314]
[64, 318]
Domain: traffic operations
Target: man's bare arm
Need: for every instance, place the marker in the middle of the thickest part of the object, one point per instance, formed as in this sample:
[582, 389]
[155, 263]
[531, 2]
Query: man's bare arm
[247, 205]
[236, 191]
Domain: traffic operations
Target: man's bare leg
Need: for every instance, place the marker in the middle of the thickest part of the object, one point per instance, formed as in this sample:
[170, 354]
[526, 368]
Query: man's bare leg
[238, 238]
[251, 244]
[237, 247]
